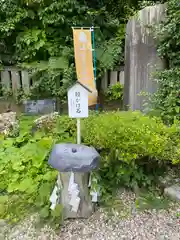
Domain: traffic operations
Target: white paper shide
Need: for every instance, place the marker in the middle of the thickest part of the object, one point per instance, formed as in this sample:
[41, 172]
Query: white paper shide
[54, 197]
[74, 194]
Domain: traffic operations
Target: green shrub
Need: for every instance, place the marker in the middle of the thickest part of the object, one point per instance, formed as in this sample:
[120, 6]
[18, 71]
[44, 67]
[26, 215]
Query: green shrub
[114, 92]
[166, 101]
[134, 148]
[26, 178]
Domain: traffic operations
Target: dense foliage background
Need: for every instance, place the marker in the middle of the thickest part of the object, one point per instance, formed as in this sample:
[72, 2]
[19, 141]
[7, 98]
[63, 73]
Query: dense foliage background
[37, 35]
[166, 102]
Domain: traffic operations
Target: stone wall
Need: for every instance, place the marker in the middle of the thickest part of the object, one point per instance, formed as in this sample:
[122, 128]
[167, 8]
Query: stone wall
[141, 58]
[8, 124]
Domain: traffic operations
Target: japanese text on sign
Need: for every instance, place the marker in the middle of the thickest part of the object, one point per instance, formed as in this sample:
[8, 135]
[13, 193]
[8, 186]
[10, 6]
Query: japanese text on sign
[78, 100]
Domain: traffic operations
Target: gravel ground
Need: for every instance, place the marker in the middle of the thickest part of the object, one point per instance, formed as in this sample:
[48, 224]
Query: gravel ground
[125, 224]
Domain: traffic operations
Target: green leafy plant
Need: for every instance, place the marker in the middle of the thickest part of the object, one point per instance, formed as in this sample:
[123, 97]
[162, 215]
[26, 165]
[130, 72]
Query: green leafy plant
[115, 92]
[147, 3]
[151, 200]
[135, 149]
[25, 173]
[26, 178]
[37, 35]
[166, 101]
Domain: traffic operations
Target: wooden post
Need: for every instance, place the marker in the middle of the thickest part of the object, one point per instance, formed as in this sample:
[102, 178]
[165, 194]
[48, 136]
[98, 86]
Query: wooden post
[25, 81]
[15, 82]
[78, 131]
[5, 79]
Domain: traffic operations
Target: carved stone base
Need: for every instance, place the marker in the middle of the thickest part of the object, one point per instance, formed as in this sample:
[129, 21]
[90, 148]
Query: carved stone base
[86, 207]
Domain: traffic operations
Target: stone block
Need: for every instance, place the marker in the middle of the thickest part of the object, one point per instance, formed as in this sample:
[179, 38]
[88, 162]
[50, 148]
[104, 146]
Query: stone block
[141, 57]
[173, 192]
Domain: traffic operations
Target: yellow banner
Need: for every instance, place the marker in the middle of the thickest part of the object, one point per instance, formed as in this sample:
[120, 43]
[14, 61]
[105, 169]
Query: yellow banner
[84, 61]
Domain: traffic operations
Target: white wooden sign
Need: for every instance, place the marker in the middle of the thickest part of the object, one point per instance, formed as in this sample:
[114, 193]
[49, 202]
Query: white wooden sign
[78, 101]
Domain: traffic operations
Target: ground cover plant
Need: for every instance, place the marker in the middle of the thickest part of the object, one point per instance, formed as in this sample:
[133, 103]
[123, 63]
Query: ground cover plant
[135, 150]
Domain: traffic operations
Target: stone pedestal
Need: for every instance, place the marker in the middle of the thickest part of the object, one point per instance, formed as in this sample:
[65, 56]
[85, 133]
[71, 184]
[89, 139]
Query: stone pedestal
[86, 207]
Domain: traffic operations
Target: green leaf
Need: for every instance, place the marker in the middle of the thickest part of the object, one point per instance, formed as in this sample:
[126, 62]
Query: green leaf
[45, 189]
[27, 185]
[49, 176]
[58, 211]
[56, 63]
[3, 199]
[177, 109]
[44, 213]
